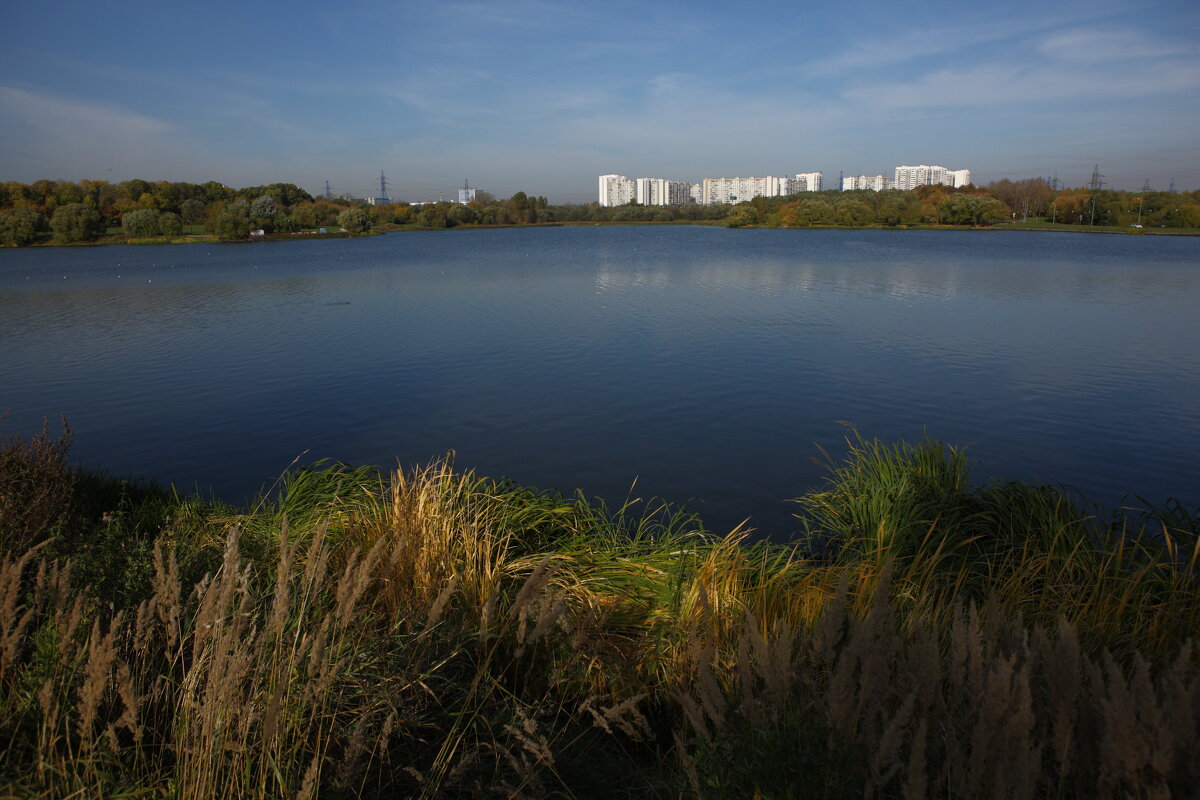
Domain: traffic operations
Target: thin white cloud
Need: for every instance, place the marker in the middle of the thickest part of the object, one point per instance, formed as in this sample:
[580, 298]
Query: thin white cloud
[1007, 84]
[57, 116]
[1098, 45]
[910, 43]
[668, 84]
[62, 137]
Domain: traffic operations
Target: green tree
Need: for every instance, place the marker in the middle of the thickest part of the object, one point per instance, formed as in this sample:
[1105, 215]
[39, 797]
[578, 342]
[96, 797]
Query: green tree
[20, 226]
[192, 211]
[233, 221]
[66, 193]
[355, 220]
[966, 209]
[213, 191]
[140, 223]
[891, 207]
[75, 222]
[434, 215]
[462, 215]
[134, 189]
[741, 215]
[169, 224]
[808, 211]
[852, 213]
[304, 215]
[262, 213]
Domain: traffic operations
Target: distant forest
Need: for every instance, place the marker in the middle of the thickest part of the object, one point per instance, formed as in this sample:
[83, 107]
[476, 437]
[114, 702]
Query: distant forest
[66, 212]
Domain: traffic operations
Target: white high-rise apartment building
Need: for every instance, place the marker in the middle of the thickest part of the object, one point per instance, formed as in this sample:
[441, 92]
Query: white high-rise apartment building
[650, 191]
[806, 182]
[737, 190]
[662, 192]
[616, 190]
[921, 175]
[876, 183]
[930, 174]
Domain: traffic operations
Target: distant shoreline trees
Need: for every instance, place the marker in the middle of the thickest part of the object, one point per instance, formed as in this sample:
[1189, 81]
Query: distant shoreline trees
[66, 212]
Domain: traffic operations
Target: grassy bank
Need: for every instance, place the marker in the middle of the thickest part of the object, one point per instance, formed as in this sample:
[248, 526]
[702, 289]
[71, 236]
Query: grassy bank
[1044, 225]
[434, 633]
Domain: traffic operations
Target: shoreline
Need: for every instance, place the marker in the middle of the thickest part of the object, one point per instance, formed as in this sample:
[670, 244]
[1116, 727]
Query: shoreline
[212, 239]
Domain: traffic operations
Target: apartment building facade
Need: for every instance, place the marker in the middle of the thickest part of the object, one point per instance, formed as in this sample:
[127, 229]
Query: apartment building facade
[806, 182]
[661, 192]
[875, 183]
[910, 177]
[616, 190]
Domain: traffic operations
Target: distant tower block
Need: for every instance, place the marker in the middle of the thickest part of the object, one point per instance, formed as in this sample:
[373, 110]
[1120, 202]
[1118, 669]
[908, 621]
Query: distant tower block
[467, 194]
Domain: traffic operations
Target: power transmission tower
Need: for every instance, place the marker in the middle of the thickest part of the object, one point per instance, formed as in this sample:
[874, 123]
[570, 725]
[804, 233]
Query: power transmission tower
[1171, 188]
[1146, 185]
[328, 191]
[1096, 182]
[382, 185]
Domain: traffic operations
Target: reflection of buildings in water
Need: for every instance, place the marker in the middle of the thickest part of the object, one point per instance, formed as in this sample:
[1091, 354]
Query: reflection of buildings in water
[607, 280]
[724, 275]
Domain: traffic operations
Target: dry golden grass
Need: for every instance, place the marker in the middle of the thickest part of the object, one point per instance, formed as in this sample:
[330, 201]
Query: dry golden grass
[444, 635]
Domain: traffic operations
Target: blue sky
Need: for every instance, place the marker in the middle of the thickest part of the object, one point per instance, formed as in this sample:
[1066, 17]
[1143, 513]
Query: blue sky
[543, 96]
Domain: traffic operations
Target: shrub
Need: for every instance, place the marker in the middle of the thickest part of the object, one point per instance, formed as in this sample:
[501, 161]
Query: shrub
[169, 224]
[140, 224]
[20, 226]
[355, 220]
[76, 222]
[233, 221]
[35, 487]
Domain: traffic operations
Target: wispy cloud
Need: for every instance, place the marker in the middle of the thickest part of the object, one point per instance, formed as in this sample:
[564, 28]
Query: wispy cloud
[1063, 70]
[59, 116]
[911, 43]
[1100, 45]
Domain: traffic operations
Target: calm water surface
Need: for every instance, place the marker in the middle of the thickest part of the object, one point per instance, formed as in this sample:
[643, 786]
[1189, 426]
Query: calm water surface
[709, 365]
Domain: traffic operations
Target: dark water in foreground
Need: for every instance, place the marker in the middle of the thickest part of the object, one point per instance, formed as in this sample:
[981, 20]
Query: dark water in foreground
[707, 364]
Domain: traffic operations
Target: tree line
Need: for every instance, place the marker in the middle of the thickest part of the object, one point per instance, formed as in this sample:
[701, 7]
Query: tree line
[70, 212]
[83, 211]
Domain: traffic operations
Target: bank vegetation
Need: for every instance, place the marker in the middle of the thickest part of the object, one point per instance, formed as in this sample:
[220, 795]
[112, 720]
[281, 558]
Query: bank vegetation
[433, 633]
[67, 212]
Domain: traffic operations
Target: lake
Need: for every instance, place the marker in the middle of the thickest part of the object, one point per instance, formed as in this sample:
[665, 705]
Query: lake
[709, 365]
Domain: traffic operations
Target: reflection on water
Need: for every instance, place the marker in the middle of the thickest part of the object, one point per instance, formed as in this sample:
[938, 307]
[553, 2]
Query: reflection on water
[705, 363]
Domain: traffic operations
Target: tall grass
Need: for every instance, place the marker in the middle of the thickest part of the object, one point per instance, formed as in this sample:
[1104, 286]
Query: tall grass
[433, 633]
